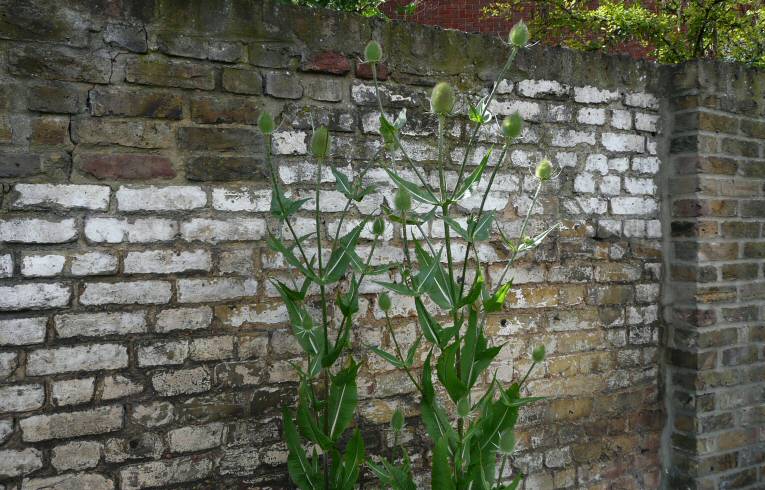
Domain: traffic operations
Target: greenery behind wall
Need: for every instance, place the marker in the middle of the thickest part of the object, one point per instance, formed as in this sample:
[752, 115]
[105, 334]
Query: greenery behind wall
[672, 31]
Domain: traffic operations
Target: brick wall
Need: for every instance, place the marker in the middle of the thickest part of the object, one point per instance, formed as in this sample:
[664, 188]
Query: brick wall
[141, 344]
[716, 290]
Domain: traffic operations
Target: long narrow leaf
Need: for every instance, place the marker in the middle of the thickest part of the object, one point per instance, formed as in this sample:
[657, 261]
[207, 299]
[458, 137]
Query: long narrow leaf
[417, 192]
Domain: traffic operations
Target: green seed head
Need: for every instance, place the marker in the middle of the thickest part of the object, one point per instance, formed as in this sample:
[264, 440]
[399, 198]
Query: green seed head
[320, 142]
[511, 126]
[507, 442]
[266, 122]
[384, 301]
[373, 52]
[397, 421]
[519, 35]
[402, 200]
[463, 407]
[442, 99]
[378, 226]
[538, 354]
[544, 170]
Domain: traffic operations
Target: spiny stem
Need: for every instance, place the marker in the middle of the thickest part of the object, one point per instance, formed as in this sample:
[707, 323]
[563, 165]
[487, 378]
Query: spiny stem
[520, 238]
[501, 470]
[400, 354]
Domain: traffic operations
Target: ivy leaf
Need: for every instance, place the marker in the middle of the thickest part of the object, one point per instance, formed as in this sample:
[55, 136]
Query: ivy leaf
[342, 400]
[420, 194]
[497, 300]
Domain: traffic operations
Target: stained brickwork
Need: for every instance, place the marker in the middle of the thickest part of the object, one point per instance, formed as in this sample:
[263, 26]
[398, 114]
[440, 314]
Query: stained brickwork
[141, 344]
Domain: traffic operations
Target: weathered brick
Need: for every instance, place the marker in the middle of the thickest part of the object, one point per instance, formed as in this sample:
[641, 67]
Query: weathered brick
[33, 230]
[542, 88]
[591, 115]
[130, 133]
[163, 353]
[42, 265]
[129, 166]
[184, 319]
[59, 63]
[641, 99]
[142, 103]
[130, 37]
[49, 131]
[223, 139]
[57, 97]
[169, 73]
[19, 164]
[623, 142]
[225, 168]
[136, 292]
[213, 231]
[633, 205]
[93, 263]
[72, 391]
[22, 331]
[182, 381]
[166, 261]
[324, 90]
[594, 95]
[78, 455]
[196, 438]
[571, 137]
[118, 386]
[95, 197]
[34, 296]
[21, 398]
[160, 198]
[9, 361]
[224, 109]
[212, 348]
[99, 420]
[330, 62]
[6, 265]
[199, 47]
[93, 357]
[241, 199]
[214, 289]
[153, 414]
[17, 462]
[99, 324]
[283, 85]
[139, 230]
[238, 81]
[165, 472]
[91, 481]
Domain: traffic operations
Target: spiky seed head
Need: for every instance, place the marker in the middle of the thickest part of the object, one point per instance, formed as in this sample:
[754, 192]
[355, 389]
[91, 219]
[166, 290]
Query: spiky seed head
[519, 35]
[320, 142]
[383, 300]
[266, 122]
[544, 170]
[511, 126]
[402, 200]
[538, 354]
[373, 52]
[442, 99]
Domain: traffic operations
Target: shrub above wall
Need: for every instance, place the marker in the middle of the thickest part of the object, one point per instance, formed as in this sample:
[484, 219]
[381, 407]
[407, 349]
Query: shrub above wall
[141, 344]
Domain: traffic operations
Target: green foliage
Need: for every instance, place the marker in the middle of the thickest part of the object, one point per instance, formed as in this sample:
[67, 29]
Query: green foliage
[674, 30]
[367, 8]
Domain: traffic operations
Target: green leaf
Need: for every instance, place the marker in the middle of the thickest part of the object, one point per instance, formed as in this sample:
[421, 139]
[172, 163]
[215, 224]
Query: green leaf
[343, 184]
[426, 276]
[469, 348]
[442, 472]
[412, 351]
[537, 240]
[475, 291]
[305, 419]
[430, 327]
[421, 194]
[351, 463]
[392, 359]
[514, 484]
[349, 302]
[454, 225]
[277, 246]
[340, 258]
[443, 288]
[298, 465]
[474, 177]
[342, 400]
[388, 132]
[481, 231]
[497, 300]
[308, 336]
[428, 392]
[397, 287]
[447, 373]
[283, 207]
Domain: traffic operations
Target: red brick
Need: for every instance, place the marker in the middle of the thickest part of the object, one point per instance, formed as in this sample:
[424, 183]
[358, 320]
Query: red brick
[328, 62]
[127, 166]
[364, 70]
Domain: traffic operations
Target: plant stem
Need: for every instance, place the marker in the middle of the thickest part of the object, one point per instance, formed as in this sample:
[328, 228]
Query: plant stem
[527, 375]
[400, 354]
[520, 238]
[501, 470]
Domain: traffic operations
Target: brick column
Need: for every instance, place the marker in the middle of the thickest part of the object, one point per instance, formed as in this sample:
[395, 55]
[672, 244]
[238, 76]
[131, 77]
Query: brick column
[715, 436]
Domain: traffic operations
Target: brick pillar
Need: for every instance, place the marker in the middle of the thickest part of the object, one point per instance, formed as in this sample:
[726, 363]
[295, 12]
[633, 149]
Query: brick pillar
[715, 436]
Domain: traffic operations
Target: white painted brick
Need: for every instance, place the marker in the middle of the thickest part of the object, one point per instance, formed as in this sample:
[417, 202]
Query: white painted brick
[634, 228]
[594, 95]
[215, 289]
[195, 438]
[21, 230]
[597, 163]
[72, 424]
[153, 414]
[17, 462]
[21, 398]
[653, 228]
[646, 293]
[621, 164]
[182, 381]
[566, 159]
[9, 361]
[213, 231]
[542, 88]
[623, 142]
[635, 185]
[505, 87]
[236, 261]
[646, 122]
[42, 265]
[571, 137]
[91, 481]
[93, 263]
[167, 261]
[22, 331]
[610, 185]
[265, 314]
[118, 386]
[633, 205]
[6, 265]
[163, 353]
[34, 296]
[529, 111]
[651, 145]
[591, 115]
[290, 143]
[77, 455]
[241, 199]
[212, 348]
[171, 198]
[99, 324]
[95, 197]
[137, 292]
[93, 357]
[184, 319]
[72, 391]
[306, 172]
[609, 227]
[645, 165]
[141, 230]
[6, 429]
[621, 119]
[584, 183]
[166, 472]
[592, 205]
[641, 99]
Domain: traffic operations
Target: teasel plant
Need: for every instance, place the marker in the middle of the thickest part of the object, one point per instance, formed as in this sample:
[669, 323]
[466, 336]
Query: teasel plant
[321, 307]
[470, 420]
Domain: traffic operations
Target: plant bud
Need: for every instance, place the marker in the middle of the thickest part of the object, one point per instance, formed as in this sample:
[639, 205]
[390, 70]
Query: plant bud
[544, 170]
[266, 122]
[519, 35]
[320, 142]
[378, 226]
[384, 301]
[511, 126]
[402, 200]
[373, 52]
[442, 99]
[397, 421]
[507, 442]
[538, 354]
